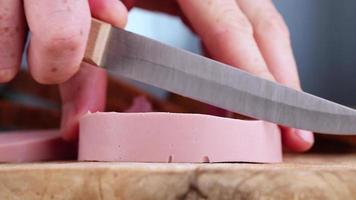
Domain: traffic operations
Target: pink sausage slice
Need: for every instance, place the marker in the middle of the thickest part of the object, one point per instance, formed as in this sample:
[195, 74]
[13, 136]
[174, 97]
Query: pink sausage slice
[169, 137]
[34, 146]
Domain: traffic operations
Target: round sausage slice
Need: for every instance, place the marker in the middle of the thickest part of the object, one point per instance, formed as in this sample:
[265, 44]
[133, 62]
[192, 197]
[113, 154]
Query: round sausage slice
[171, 137]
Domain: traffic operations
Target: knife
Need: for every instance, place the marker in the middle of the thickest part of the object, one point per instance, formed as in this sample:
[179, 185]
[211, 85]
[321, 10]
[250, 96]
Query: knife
[125, 54]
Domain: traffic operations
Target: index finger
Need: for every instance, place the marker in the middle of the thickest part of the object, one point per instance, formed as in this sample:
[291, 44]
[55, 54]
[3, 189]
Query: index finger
[59, 31]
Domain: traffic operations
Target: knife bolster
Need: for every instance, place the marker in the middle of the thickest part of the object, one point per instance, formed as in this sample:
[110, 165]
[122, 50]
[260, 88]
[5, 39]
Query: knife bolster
[98, 38]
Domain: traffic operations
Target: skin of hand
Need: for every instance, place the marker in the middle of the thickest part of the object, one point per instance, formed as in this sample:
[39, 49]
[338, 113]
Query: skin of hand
[251, 35]
[59, 32]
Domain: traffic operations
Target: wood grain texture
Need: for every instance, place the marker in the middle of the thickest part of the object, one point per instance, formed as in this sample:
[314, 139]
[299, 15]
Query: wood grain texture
[300, 177]
[98, 37]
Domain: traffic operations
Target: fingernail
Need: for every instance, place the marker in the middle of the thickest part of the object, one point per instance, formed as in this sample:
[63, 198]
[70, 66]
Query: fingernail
[7, 74]
[306, 136]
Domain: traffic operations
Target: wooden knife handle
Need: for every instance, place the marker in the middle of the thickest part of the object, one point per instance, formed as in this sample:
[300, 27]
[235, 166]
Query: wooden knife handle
[98, 38]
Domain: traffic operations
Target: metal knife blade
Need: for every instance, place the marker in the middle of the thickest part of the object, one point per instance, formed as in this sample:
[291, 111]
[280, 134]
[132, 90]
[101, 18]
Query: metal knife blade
[151, 62]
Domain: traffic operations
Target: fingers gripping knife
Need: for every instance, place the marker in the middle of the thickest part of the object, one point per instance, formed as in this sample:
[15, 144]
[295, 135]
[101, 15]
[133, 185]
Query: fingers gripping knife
[129, 55]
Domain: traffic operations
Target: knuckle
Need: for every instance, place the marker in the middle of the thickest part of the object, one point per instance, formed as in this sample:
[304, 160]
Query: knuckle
[243, 25]
[272, 22]
[64, 42]
[232, 24]
[228, 19]
[58, 55]
[237, 21]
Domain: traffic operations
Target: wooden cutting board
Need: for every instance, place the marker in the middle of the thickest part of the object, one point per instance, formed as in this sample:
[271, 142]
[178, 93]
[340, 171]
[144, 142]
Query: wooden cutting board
[307, 176]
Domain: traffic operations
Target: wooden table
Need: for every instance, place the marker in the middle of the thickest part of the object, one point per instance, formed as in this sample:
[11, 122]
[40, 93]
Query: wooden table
[307, 176]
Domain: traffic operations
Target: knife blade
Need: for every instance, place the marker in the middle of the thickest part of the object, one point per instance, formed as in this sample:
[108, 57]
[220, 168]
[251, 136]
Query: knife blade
[129, 55]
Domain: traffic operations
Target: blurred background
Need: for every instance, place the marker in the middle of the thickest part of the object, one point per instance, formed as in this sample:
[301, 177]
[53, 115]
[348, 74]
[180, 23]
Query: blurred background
[323, 36]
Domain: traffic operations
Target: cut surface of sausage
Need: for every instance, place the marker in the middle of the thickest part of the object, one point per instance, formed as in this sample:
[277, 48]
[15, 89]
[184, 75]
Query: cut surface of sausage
[173, 137]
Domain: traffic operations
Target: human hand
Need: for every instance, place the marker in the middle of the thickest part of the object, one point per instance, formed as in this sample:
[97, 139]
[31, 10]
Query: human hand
[247, 34]
[59, 32]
